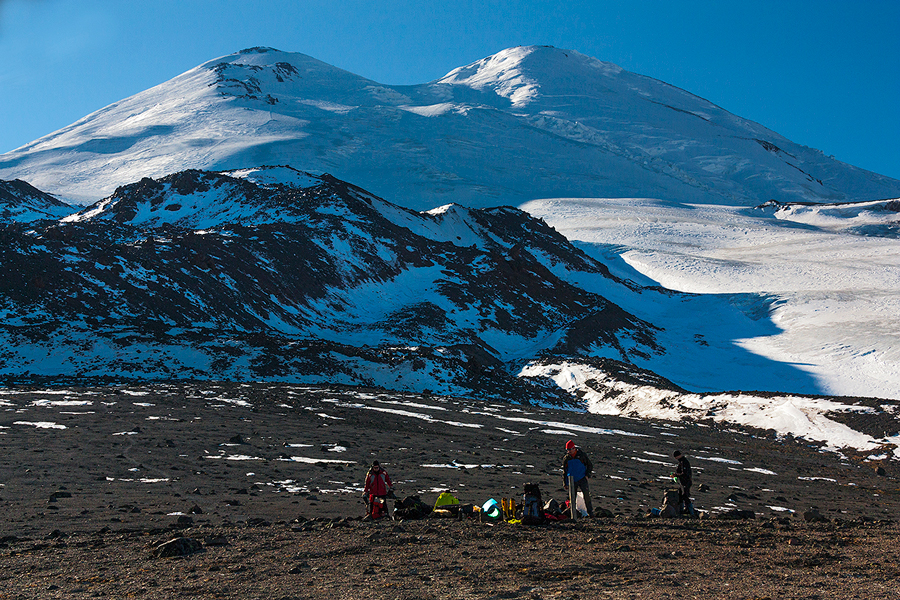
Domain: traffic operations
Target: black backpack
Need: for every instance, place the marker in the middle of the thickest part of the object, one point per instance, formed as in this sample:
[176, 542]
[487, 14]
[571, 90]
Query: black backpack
[411, 507]
[532, 505]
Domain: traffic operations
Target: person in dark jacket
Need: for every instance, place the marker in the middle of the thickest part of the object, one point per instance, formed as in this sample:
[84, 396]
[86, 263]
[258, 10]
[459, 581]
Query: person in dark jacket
[577, 465]
[685, 479]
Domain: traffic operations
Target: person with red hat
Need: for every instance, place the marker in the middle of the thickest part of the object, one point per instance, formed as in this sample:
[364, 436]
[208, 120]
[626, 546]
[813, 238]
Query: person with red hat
[577, 465]
[378, 486]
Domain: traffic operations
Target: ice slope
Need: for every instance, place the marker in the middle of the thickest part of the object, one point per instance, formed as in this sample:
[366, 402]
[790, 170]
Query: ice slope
[819, 286]
[526, 123]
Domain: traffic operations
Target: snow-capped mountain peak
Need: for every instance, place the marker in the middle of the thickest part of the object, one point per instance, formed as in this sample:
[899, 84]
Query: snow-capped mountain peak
[526, 123]
[519, 73]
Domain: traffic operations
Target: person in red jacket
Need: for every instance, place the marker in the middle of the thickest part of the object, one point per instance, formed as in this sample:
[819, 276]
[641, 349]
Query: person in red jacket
[378, 486]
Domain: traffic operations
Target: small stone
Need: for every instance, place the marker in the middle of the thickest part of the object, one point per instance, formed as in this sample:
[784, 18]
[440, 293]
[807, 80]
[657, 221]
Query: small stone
[813, 516]
[216, 540]
[184, 521]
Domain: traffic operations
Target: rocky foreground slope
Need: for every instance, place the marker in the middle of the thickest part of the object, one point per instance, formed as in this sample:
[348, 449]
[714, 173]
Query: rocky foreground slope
[265, 480]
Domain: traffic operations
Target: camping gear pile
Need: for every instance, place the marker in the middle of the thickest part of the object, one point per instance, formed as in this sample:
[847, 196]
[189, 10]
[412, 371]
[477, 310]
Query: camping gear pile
[532, 510]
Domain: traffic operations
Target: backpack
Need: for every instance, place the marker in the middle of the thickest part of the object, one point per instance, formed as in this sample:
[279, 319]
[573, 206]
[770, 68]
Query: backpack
[671, 507]
[532, 505]
[553, 510]
[411, 507]
[378, 508]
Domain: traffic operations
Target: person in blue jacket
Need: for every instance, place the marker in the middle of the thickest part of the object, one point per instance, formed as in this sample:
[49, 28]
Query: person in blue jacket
[578, 465]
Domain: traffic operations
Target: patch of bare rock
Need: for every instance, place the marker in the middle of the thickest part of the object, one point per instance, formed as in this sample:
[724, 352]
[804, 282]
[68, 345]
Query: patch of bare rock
[440, 558]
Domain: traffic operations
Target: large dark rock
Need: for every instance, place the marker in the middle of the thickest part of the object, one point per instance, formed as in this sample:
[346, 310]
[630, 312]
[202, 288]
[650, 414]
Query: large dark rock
[181, 546]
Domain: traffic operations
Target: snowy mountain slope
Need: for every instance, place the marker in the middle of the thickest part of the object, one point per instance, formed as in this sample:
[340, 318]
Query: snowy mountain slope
[273, 273]
[866, 427]
[529, 122]
[23, 203]
[821, 283]
[202, 274]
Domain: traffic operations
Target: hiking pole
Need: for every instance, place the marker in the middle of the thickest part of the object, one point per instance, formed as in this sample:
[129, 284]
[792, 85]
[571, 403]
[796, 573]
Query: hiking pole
[572, 496]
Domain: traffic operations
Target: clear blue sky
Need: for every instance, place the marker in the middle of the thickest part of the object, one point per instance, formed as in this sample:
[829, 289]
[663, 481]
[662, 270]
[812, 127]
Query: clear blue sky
[822, 73]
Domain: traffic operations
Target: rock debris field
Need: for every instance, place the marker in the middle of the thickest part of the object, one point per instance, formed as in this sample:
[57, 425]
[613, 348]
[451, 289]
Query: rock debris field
[257, 487]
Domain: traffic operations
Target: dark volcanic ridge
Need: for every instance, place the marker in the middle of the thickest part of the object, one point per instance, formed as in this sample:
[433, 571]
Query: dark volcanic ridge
[21, 202]
[273, 274]
[208, 275]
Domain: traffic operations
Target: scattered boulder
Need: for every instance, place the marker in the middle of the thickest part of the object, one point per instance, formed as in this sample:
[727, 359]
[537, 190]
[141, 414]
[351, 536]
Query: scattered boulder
[183, 521]
[182, 546]
[813, 516]
[880, 471]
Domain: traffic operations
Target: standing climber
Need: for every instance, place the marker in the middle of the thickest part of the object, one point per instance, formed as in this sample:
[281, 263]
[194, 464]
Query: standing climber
[577, 465]
[685, 479]
[378, 486]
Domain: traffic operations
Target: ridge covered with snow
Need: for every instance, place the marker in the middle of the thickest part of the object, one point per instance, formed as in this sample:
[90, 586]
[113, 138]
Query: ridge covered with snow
[21, 202]
[203, 274]
[526, 123]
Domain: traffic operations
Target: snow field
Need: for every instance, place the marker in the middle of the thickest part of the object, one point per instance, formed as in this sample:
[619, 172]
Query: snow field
[810, 307]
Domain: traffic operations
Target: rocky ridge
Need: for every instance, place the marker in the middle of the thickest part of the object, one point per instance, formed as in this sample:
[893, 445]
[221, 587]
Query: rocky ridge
[202, 274]
[21, 202]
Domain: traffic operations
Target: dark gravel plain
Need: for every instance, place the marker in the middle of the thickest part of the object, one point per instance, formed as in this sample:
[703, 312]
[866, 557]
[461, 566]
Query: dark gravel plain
[95, 479]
